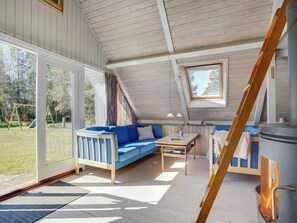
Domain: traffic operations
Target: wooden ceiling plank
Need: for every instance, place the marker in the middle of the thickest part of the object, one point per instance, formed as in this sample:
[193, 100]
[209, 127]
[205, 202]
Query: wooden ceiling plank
[120, 6]
[89, 3]
[204, 18]
[236, 7]
[229, 27]
[135, 23]
[149, 46]
[135, 29]
[128, 18]
[118, 43]
[138, 9]
[142, 35]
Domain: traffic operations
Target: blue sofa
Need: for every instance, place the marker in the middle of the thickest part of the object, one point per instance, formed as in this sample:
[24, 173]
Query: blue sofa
[246, 166]
[113, 147]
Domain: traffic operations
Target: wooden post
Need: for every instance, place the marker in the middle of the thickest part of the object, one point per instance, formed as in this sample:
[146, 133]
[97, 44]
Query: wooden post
[113, 157]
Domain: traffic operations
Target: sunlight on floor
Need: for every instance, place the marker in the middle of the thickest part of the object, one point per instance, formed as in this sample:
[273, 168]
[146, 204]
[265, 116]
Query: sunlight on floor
[178, 165]
[90, 178]
[151, 194]
[166, 176]
[135, 208]
[83, 220]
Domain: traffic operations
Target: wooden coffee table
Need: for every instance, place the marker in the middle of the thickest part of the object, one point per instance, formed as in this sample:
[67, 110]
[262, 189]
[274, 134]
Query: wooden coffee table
[174, 146]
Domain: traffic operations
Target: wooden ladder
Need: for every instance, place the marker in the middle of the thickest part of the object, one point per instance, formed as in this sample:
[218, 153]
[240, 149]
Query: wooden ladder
[244, 109]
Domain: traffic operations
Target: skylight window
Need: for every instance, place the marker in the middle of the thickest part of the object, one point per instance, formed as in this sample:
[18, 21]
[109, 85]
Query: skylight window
[206, 82]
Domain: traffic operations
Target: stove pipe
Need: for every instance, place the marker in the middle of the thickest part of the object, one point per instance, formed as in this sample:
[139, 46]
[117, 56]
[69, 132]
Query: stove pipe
[292, 59]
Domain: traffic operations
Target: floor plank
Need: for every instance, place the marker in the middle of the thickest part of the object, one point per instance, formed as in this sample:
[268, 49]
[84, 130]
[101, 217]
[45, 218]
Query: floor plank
[144, 194]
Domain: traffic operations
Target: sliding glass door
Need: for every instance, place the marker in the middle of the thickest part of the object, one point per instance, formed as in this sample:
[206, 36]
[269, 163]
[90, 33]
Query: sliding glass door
[58, 116]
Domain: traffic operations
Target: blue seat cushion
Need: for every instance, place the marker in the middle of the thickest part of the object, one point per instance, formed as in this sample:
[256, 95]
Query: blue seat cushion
[127, 153]
[142, 145]
[122, 133]
[133, 133]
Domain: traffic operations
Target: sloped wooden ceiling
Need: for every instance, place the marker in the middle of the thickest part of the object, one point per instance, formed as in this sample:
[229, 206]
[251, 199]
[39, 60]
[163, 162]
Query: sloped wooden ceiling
[202, 23]
[148, 87]
[131, 29]
[126, 29]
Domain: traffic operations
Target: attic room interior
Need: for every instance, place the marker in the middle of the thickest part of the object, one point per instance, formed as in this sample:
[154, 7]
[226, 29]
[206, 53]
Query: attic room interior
[148, 111]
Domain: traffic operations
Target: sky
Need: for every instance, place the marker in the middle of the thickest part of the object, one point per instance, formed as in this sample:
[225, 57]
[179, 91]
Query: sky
[203, 80]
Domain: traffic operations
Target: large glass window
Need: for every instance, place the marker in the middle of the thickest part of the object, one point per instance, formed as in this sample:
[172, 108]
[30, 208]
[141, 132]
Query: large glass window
[17, 118]
[95, 99]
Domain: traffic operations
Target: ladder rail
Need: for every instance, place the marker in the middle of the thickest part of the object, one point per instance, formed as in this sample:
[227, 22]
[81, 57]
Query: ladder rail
[245, 107]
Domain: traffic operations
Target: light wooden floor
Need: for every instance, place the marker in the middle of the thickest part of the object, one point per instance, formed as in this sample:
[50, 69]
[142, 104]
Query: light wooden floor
[145, 194]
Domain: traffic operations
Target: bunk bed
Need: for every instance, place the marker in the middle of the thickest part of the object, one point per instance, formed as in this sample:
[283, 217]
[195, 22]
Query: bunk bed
[251, 165]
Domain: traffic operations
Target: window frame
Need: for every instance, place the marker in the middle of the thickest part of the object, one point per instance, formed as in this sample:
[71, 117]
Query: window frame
[203, 67]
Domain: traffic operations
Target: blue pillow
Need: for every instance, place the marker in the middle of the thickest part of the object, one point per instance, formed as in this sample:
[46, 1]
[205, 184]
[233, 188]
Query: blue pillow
[122, 133]
[133, 133]
[157, 130]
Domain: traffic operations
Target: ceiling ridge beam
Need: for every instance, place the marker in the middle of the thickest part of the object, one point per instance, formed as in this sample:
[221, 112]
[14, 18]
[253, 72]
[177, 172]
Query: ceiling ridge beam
[169, 42]
[184, 55]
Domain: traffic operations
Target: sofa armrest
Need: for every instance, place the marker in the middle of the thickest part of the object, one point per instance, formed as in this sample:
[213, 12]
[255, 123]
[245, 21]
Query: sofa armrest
[97, 146]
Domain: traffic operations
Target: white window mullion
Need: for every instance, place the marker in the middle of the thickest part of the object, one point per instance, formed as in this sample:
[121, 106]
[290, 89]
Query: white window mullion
[41, 119]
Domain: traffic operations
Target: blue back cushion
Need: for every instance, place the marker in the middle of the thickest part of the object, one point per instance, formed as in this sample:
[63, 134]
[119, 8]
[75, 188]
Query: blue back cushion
[252, 130]
[98, 128]
[133, 133]
[122, 133]
[157, 130]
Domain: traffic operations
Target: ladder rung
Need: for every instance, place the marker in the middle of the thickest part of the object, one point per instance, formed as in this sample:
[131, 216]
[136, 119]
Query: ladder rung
[205, 195]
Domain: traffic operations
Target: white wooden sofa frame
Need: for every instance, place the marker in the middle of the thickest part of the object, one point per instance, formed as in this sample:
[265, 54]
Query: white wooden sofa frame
[94, 163]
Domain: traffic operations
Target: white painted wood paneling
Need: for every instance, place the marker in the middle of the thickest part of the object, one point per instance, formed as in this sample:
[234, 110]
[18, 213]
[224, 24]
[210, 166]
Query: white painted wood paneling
[126, 29]
[214, 22]
[201, 146]
[282, 89]
[147, 88]
[67, 34]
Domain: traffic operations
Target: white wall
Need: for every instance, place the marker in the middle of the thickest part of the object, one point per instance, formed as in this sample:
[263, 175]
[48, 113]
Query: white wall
[67, 34]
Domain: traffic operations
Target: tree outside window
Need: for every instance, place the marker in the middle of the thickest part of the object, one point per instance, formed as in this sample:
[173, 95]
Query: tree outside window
[206, 82]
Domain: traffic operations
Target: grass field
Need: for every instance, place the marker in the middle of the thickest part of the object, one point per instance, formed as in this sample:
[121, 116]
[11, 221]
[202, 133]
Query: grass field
[18, 148]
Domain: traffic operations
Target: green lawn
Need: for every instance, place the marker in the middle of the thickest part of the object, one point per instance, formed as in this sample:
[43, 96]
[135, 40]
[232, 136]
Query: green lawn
[18, 148]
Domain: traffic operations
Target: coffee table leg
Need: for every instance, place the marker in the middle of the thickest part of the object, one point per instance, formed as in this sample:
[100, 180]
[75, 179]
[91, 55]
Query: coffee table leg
[162, 158]
[186, 161]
